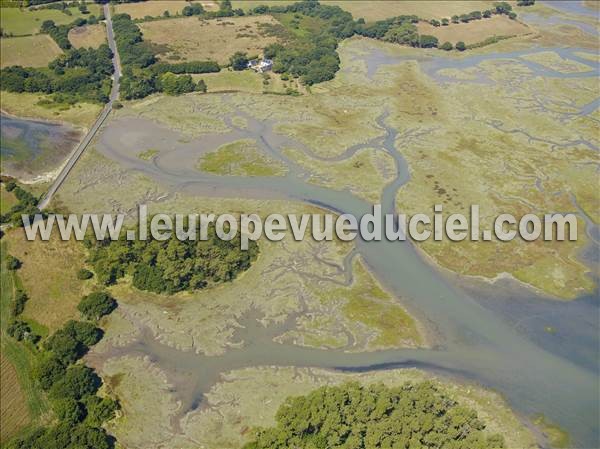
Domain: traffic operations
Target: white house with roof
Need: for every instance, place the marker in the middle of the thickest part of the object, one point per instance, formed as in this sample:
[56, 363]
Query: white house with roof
[260, 65]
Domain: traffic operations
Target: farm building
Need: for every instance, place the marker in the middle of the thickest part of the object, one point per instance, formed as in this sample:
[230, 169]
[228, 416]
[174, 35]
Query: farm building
[260, 65]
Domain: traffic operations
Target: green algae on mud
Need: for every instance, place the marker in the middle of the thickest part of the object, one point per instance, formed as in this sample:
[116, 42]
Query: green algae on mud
[240, 158]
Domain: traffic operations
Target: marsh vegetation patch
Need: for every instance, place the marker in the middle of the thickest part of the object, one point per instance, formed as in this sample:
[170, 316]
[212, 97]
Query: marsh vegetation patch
[241, 158]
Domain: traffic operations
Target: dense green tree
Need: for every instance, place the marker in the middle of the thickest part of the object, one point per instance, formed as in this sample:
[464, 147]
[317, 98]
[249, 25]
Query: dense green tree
[137, 83]
[427, 41]
[64, 436]
[18, 304]
[405, 33]
[97, 304]
[503, 7]
[193, 9]
[225, 8]
[186, 67]
[460, 46]
[20, 330]
[48, 370]
[66, 348]
[363, 417]
[99, 410]
[172, 84]
[79, 381]
[239, 61]
[85, 333]
[69, 411]
[171, 265]
[85, 437]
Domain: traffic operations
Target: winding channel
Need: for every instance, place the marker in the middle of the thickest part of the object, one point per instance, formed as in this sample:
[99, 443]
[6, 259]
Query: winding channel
[485, 336]
[483, 339]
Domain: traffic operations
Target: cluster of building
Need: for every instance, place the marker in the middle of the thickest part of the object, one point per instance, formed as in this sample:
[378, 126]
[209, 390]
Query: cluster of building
[260, 65]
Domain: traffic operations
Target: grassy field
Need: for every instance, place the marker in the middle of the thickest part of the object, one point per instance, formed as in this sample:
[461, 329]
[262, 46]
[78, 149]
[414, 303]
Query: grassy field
[53, 297]
[25, 21]
[28, 51]
[475, 31]
[228, 80]
[156, 8]
[246, 81]
[39, 106]
[88, 36]
[14, 413]
[188, 39]
[21, 401]
[7, 200]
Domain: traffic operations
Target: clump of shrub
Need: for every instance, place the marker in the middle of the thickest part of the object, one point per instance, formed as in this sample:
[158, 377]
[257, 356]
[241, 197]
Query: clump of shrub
[12, 263]
[97, 304]
[84, 274]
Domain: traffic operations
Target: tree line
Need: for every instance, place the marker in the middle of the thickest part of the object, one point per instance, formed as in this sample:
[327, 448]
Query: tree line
[71, 386]
[26, 204]
[412, 416]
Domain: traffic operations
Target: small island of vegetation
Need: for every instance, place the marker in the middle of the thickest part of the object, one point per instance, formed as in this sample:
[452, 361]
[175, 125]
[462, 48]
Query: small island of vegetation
[172, 265]
[359, 417]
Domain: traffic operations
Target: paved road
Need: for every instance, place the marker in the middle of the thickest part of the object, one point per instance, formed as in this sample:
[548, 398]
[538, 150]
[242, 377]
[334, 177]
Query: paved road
[114, 95]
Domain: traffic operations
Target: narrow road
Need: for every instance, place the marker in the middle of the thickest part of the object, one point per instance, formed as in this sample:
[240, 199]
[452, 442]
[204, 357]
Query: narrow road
[114, 95]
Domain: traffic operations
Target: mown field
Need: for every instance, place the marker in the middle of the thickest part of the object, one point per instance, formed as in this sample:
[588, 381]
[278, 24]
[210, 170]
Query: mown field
[22, 401]
[475, 31]
[156, 8]
[28, 51]
[88, 36]
[246, 81]
[14, 414]
[26, 21]
[189, 39]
